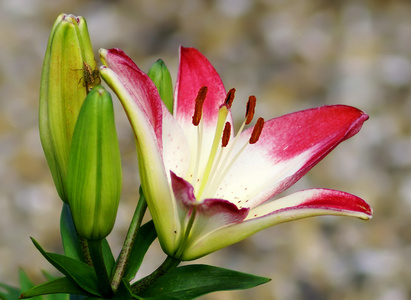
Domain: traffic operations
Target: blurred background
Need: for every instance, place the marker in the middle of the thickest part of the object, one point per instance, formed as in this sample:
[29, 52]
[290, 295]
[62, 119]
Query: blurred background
[291, 55]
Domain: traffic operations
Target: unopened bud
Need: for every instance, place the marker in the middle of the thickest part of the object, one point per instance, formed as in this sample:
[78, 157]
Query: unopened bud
[94, 169]
[69, 73]
[161, 77]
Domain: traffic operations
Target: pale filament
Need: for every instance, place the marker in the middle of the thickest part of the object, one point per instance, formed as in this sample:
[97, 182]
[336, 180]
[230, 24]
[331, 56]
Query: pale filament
[218, 163]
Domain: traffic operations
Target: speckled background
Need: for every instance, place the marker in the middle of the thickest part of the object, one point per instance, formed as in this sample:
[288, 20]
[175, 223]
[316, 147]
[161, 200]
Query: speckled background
[292, 55]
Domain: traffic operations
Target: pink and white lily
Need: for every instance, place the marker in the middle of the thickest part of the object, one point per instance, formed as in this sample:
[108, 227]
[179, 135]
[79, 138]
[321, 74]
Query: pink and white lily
[207, 188]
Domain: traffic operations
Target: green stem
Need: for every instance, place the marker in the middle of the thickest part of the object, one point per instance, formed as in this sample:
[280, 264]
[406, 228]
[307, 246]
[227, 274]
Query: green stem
[168, 265]
[122, 260]
[96, 253]
[183, 243]
[86, 251]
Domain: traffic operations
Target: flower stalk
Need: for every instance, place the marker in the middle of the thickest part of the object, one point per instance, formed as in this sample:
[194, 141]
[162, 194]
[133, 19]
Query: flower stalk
[122, 260]
[96, 254]
[169, 264]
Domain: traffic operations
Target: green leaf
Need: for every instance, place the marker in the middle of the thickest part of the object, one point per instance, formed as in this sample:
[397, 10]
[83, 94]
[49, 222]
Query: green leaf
[26, 284]
[77, 297]
[145, 237]
[58, 297]
[78, 271]
[124, 292]
[50, 277]
[107, 256]
[192, 281]
[9, 293]
[55, 286]
[71, 244]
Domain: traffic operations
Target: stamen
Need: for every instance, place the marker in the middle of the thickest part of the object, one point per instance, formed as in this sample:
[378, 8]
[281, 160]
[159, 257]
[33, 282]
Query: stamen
[226, 134]
[230, 98]
[198, 110]
[249, 114]
[258, 127]
[222, 116]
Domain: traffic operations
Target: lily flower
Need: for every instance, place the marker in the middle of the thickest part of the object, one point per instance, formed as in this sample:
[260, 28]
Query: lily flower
[207, 188]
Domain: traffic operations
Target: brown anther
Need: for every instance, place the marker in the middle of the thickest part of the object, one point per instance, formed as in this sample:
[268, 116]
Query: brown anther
[258, 127]
[250, 110]
[226, 134]
[198, 110]
[230, 98]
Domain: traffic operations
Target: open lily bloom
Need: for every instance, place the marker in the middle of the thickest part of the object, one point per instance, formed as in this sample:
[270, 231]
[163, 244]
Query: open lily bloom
[207, 188]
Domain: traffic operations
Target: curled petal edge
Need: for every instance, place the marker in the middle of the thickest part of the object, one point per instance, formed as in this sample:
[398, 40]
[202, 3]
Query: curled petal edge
[303, 204]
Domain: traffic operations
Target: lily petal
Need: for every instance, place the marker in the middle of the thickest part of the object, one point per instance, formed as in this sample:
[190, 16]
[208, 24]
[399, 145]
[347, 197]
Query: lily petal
[195, 71]
[210, 214]
[289, 146]
[138, 85]
[146, 113]
[303, 204]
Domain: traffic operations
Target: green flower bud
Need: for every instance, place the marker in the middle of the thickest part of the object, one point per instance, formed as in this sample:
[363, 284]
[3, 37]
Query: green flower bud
[161, 77]
[69, 72]
[94, 168]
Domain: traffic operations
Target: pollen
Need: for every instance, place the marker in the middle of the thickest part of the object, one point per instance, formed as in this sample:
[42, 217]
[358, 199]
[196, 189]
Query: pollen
[198, 110]
[250, 110]
[258, 128]
[226, 134]
[229, 98]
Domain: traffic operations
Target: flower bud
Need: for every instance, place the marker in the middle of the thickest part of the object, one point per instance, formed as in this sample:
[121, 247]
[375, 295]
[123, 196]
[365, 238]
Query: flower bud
[161, 77]
[94, 168]
[69, 73]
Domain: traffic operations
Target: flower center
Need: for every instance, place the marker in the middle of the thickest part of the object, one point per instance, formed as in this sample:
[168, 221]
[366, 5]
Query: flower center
[221, 157]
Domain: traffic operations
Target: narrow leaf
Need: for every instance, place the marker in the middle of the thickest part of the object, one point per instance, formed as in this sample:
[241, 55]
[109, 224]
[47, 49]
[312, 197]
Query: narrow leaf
[50, 277]
[108, 256]
[79, 272]
[192, 281]
[69, 236]
[26, 284]
[9, 293]
[55, 286]
[76, 297]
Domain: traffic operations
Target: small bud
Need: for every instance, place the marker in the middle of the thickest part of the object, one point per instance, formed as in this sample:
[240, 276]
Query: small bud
[161, 77]
[65, 81]
[94, 168]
